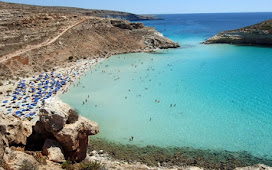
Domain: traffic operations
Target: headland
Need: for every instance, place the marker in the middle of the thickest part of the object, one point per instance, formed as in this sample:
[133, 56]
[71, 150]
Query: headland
[255, 35]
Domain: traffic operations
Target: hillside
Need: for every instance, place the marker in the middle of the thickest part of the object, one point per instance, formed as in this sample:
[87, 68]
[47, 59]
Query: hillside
[35, 39]
[258, 34]
[78, 11]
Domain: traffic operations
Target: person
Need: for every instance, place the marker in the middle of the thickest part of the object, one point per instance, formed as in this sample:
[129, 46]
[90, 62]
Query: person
[150, 119]
[131, 138]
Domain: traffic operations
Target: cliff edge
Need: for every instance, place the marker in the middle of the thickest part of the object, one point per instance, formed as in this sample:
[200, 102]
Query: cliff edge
[259, 34]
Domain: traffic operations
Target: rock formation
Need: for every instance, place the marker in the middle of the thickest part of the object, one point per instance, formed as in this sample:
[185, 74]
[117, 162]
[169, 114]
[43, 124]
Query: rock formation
[14, 130]
[53, 150]
[72, 137]
[258, 34]
[56, 135]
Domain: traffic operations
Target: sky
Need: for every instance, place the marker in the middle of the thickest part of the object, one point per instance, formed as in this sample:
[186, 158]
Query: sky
[161, 6]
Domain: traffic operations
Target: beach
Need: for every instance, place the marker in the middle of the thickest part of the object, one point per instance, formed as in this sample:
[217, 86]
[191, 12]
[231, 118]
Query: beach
[24, 98]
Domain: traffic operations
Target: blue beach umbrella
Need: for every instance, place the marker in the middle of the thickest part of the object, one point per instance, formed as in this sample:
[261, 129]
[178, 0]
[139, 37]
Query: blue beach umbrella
[17, 112]
[5, 101]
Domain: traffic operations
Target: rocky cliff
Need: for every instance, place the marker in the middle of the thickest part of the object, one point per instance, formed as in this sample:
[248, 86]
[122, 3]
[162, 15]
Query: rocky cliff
[35, 39]
[259, 34]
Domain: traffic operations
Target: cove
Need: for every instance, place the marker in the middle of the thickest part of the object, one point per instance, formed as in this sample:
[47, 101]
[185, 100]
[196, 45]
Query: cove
[215, 97]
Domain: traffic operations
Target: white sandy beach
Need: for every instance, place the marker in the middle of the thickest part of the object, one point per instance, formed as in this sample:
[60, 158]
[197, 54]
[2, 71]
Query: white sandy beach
[28, 95]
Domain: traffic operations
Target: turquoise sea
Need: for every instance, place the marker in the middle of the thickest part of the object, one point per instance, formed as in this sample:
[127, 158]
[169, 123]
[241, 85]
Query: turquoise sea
[216, 97]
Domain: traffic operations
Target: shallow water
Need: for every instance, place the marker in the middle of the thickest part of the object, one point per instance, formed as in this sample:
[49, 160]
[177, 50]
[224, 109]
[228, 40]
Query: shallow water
[210, 96]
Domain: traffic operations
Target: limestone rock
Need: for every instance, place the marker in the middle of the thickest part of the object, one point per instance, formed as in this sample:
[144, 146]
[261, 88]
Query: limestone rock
[54, 115]
[14, 129]
[93, 153]
[72, 137]
[256, 167]
[258, 34]
[17, 159]
[53, 150]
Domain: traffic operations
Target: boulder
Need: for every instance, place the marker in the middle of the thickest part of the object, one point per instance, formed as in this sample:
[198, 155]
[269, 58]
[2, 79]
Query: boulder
[14, 129]
[54, 115]
[72, 137]
[53, 150]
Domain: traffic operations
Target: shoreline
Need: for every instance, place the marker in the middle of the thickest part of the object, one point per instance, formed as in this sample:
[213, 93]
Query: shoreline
[12, 106]
[174, 157]
[9, 84]
[152, 157]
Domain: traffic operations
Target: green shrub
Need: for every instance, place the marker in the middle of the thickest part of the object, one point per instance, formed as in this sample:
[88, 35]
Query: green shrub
[27, 165]
[90, 165]
[73, 116]
[68, 165]
[71, 58]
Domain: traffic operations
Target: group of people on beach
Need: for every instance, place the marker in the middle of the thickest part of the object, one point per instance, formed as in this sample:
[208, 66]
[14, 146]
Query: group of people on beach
[31, 94]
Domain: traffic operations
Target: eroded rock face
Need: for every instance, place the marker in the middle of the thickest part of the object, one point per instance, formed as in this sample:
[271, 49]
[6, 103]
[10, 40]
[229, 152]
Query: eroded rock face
[72, 137]
[14, 129]
[53, 150]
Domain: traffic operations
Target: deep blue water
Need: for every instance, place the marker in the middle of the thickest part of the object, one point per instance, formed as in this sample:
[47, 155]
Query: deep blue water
[211, 96]
[181, 26]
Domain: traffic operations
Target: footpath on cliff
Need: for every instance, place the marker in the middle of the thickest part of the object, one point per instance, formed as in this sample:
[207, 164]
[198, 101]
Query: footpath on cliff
[43, 44]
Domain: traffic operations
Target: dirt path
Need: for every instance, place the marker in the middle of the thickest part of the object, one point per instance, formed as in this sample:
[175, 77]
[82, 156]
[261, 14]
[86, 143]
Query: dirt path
[45, 43]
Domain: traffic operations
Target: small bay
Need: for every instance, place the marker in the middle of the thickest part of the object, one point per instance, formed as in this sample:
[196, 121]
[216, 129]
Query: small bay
[214, 97]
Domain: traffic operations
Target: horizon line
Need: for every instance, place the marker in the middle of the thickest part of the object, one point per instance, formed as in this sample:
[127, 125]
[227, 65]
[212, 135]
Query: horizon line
[203, 13]
[176, 13]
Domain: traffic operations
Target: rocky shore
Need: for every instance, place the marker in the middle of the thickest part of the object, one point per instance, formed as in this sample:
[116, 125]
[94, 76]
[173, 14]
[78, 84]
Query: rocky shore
[258, 35]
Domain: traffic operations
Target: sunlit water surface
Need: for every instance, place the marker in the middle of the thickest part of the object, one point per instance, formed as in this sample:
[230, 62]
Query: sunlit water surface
[200, 96]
